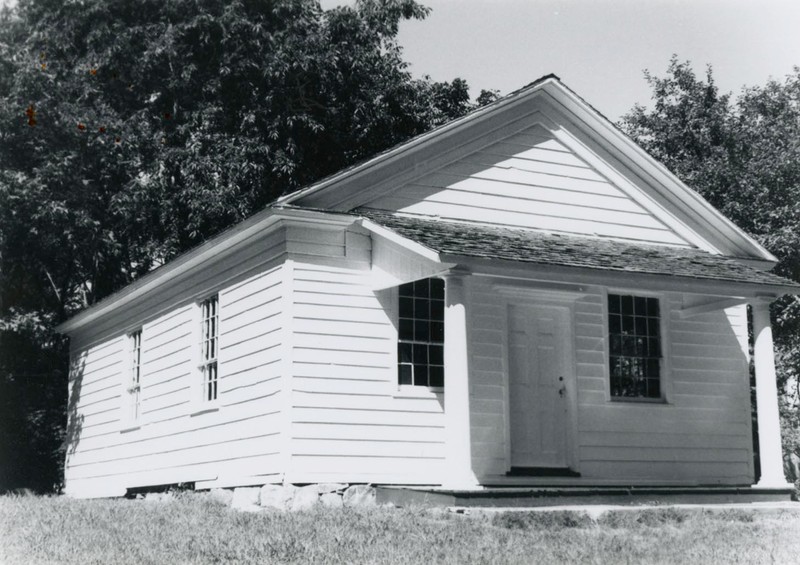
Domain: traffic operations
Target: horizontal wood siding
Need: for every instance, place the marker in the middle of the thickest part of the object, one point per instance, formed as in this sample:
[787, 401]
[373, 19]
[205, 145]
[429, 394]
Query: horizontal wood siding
[530, 180]
[701, 436]
[348, 423]
[173, 441]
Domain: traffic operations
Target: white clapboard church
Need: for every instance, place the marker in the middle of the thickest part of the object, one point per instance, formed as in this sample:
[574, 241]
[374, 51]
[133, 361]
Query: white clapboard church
[520, 297]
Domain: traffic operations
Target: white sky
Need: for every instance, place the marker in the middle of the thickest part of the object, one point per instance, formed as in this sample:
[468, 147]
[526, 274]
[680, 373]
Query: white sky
[599, 48]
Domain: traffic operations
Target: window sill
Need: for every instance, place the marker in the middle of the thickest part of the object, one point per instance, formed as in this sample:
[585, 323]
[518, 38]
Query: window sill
[130, 427]
[204, 409]
[411, 391]
[651, 401]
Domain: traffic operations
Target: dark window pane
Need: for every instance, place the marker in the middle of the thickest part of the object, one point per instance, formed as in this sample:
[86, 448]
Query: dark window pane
[655, 347]
[641, 388]
[625, 367]
[437, 288]
[616, 387]
[404, 374]
[613, 304]
[641, 325]
[652, 307]
[436, 376]
[422, 288]
[627, 325]
[615, 367]
[629, 346]
[627, 387]
[404, 353]
[614, 324]
[421, 375]
[420, 353]
[653, 388]
[437, 332]
[653, 327]
[406, 289]
[422, 330]
[640, 305]
[436, 353]
[615, 345]
[652, 368]
[437, 310]
[406, 307]
[627, 305]
[406, 330]
[422, 308]
[641, 346]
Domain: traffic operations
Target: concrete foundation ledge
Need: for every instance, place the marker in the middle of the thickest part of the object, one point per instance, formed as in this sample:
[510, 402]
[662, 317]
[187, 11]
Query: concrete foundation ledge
[582, 496]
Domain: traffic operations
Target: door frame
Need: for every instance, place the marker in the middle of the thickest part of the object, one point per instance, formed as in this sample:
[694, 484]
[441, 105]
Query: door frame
[513, 295]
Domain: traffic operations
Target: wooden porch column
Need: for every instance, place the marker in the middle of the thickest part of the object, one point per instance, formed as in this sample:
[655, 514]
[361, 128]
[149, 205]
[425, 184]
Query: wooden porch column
[769, 429]
[458, 451]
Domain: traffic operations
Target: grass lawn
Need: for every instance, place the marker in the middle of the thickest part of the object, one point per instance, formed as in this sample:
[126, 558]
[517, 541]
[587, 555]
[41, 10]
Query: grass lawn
[193, 528]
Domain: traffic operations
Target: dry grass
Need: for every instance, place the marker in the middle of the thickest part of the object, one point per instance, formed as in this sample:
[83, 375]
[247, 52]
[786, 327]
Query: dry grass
[195, 529]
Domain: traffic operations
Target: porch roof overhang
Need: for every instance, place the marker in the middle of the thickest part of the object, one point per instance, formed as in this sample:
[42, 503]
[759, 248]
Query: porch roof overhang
[527, 253]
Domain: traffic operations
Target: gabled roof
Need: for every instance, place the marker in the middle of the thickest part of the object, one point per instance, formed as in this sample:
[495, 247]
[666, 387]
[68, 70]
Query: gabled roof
[677, 204]
[453, 240]
[476, 240]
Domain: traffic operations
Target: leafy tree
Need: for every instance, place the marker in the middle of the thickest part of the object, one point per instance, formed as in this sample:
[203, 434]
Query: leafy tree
[743, 155]
[132, 130]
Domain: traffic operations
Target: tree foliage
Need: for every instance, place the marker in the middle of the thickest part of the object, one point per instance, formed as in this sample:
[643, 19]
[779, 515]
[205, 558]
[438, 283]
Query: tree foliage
[131, 131]
[743, 155]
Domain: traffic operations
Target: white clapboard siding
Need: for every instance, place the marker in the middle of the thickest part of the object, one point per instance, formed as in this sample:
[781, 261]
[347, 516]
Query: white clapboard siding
[181, 427]
[702, 435]
[182, 440]
[348, 422]
[530, 180]
[171, 442]
[324, 370]
[402, 470]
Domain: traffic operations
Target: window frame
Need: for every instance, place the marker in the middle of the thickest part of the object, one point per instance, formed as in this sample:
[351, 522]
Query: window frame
[132, 393]
[203, 361]
[414, 390]
[665, 380]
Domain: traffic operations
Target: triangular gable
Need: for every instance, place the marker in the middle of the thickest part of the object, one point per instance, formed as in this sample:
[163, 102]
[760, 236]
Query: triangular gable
[540, 158]
[530, 179]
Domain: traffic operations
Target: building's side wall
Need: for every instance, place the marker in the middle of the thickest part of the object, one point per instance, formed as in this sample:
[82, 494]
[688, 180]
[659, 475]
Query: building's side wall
[530, 180]
[175, 440]
[702, 435]
[349, 421]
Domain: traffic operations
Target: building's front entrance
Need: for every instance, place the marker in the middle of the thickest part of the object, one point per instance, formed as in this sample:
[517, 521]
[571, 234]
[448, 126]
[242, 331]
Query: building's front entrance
[539, 347]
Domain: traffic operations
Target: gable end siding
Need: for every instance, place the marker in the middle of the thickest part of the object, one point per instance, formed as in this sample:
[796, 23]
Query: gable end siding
[529, 180]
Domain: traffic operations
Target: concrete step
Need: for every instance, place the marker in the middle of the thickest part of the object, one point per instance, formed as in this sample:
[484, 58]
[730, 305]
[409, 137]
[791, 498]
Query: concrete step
[510, 497]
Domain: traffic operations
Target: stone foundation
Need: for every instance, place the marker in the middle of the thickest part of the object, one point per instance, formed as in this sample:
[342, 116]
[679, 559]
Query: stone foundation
[296, 498]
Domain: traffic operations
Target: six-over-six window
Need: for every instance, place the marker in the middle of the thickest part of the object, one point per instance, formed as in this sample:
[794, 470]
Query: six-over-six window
[134, 378]
[209, 345]
[634, 328]
[420, 346]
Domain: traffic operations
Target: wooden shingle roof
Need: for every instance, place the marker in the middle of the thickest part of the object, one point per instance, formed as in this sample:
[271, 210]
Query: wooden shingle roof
[464, 239]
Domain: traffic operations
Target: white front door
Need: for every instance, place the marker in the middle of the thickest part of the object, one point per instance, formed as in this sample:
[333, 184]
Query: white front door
[539, 350]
